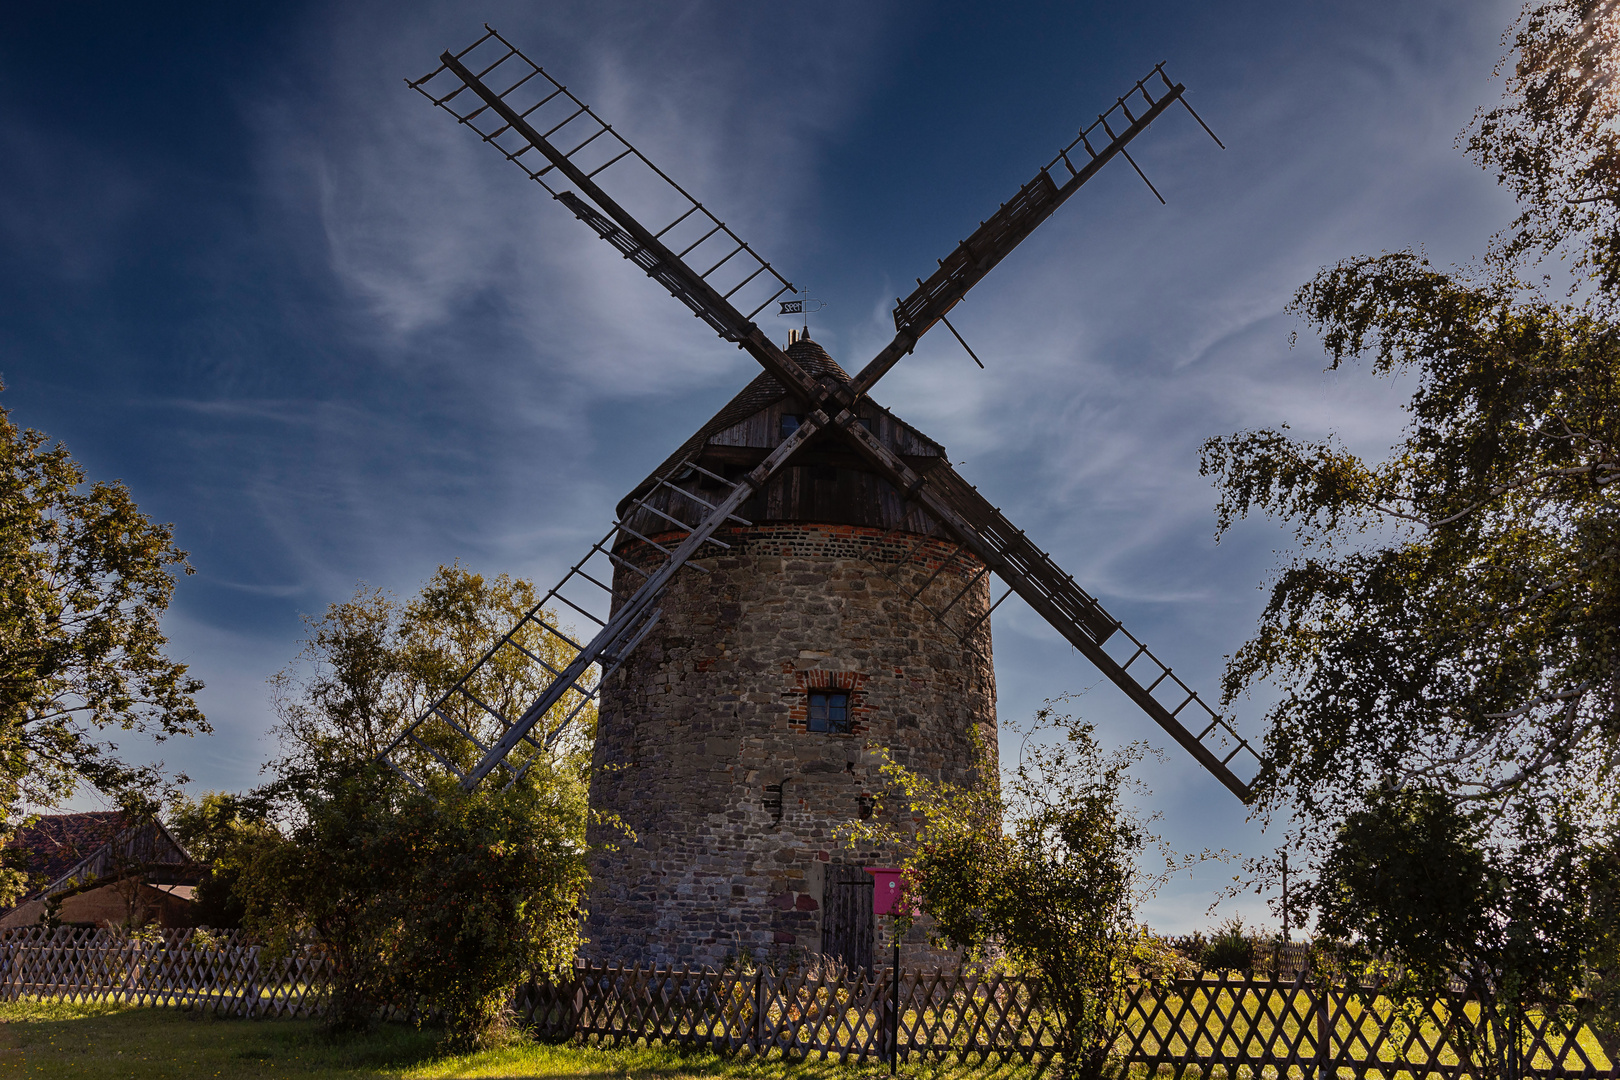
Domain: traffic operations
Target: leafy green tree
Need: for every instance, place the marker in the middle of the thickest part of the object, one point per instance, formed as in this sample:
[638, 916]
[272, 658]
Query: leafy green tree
[1553, 141]
[372, 664]
[495, 887]
[1039, 871]
[1230, 948]
[1453, 616]
[1600, 996]
[221, 831]
[434, 902]
[84, 579]
[1408, 876]
[428, 902]
[1412, 888]
[1446, 641]
[318, 883]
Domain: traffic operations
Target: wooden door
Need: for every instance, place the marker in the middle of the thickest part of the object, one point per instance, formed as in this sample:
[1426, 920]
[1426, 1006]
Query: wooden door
[846, 917]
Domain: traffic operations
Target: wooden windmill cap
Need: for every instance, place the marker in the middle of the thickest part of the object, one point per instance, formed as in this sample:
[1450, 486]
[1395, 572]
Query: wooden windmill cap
[763, 392]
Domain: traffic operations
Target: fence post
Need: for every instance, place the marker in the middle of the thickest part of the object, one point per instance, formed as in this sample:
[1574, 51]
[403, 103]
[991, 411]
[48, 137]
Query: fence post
[894, 1013]
[1323, 1031]
[758, 1037]
[255, 975]
[1515, 1067]
[577, 1003]
[132, 988]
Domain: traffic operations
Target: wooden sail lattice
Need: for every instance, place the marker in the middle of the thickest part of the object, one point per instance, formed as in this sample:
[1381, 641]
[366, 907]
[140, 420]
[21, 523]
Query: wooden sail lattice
[514, 105]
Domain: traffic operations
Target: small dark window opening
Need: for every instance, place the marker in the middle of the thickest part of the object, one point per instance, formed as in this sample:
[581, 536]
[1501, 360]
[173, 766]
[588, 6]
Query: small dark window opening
[708, 481]
[790, 424]
[829, 711]
[865, 810]
[727, 472]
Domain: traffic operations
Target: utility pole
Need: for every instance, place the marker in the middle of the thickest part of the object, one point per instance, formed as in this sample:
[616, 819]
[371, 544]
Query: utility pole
[1285, 894]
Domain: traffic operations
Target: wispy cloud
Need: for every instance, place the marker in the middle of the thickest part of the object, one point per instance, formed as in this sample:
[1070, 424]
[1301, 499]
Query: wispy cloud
[342, 340]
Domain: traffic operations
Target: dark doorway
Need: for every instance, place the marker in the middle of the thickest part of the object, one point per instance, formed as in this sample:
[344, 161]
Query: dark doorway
[846, 917]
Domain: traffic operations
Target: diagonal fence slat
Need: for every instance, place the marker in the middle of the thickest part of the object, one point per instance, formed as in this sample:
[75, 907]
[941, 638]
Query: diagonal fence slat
[1228, 1024]
[220, 972]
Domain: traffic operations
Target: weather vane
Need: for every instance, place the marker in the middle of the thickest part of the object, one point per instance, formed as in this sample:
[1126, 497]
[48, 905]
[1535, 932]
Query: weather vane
[802, 306]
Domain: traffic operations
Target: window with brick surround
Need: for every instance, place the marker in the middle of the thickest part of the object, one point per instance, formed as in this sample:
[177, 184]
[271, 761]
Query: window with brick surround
[829, 711]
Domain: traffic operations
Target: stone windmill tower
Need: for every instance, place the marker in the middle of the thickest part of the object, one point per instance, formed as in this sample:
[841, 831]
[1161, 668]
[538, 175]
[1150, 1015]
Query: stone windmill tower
[805, 580]
[740, 734]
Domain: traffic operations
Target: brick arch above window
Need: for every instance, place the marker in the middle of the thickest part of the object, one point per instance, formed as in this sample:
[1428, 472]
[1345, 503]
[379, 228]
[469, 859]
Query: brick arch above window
[808, 683]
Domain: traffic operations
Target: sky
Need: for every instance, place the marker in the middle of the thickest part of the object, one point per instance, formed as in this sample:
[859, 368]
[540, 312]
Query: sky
[333, 339]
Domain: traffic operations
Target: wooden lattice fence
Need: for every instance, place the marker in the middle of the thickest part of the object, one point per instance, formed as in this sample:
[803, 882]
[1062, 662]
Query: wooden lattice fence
[1273, 1027]
[1258, 1025]
[219, 972]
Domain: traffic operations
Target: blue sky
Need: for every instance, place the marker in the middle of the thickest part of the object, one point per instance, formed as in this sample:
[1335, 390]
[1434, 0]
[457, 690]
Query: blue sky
[334, 339]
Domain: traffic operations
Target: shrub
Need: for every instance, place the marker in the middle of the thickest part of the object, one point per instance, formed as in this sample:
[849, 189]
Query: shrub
[1230, 949]
[433, 902]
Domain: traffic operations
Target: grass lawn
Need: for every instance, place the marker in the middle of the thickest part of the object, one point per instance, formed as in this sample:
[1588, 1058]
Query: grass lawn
[53, 1039]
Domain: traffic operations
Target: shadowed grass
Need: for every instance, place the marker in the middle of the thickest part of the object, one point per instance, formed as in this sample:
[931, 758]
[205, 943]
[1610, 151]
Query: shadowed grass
[50, 1039]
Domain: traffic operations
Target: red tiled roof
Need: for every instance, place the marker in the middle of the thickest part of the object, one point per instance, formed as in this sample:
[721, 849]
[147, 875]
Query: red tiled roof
[58, 842]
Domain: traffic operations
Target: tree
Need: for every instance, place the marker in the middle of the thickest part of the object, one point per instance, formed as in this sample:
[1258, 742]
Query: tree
[1412, 888]
[373, 664]
[1446, 641]
[426, 902]
[1553, 142]
[1040, 870]
[84, 579]
[222, 832]
[1408, 875]
[496, 880]
[431, 901]
[1453, 617]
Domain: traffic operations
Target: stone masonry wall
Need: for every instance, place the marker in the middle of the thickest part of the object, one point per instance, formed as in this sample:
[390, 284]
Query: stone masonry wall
[702, 746]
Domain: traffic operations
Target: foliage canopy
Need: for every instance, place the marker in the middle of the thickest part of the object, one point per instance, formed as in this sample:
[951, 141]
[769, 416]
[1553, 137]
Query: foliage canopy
[428, 901]
[84, 580]
[431, 901]
[1038, 871]
[1446, 639]
[372, 664]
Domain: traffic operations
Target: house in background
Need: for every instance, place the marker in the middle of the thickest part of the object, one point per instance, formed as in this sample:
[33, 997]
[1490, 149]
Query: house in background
[106, 869]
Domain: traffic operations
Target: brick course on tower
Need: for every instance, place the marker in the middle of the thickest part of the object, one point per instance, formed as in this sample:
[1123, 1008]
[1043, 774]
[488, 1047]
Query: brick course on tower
[706, 746]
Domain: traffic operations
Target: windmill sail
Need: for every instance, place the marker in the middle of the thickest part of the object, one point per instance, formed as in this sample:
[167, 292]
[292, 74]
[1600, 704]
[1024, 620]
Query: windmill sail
[1019, 216]
[529, 121]
[1152, 685]
[535, 116]
[1074, 613]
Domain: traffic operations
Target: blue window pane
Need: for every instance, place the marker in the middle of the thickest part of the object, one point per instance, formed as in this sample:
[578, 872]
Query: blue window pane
[829, 712]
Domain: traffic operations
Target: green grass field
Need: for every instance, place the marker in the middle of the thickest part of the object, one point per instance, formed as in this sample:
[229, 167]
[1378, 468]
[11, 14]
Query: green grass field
[52, 1039]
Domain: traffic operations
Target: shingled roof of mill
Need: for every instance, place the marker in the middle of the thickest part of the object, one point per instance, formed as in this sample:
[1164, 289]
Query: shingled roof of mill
[761, 393]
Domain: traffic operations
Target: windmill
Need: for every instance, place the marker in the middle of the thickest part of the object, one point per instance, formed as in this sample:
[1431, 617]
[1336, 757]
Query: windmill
[802, 509]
